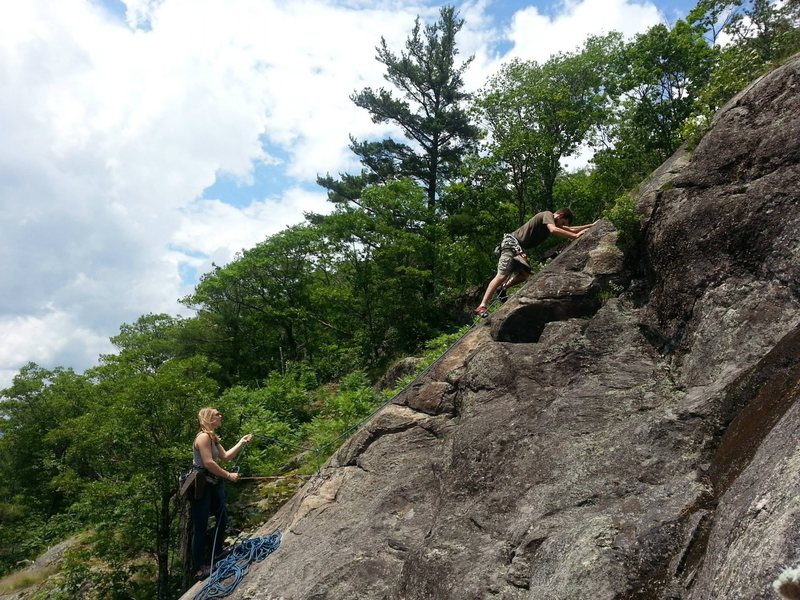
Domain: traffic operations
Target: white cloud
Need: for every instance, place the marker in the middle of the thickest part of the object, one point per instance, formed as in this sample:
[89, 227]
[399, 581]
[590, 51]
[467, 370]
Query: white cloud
[54, 337]
[139, 12]
[536, 36]
[113, 128]
[216, 231]
[477, 39]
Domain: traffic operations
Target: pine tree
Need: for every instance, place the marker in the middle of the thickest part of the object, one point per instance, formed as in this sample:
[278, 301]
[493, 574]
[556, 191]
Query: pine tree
[429, 110]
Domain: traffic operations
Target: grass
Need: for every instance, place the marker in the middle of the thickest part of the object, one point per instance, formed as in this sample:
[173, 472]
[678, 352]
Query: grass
[25, 578]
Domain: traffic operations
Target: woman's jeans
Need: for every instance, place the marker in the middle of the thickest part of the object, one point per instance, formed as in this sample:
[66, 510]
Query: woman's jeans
[212, 502]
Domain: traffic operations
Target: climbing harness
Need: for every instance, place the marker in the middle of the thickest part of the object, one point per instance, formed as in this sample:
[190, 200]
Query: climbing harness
[510, 242]
[188, 483]
[232, 569]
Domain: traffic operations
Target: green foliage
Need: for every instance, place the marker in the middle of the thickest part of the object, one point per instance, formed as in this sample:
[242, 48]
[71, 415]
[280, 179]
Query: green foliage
[104, 449]
[654, 84]
[280, 302]
[761, 34]
[85, 576]
[538, 114]
[766, 28]
[579, 192]
[288, 397]
[612, 291]
[35, 458]
[388, 246]
[435, 347]
[278, 409]
[342, 410]
[136, 438]
[623, 214]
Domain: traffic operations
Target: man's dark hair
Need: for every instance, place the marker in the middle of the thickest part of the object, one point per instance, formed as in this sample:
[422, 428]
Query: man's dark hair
[565, 213]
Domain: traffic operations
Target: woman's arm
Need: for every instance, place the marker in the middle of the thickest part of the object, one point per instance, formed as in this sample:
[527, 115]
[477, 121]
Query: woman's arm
[230, 454]
[203, 442]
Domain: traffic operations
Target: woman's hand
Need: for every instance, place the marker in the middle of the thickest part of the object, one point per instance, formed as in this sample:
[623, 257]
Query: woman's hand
[233, 477]
[246, 438]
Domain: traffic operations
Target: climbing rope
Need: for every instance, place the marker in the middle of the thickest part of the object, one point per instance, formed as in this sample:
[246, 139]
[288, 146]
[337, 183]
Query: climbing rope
[232, 569]
[267, 438]
[319, 449]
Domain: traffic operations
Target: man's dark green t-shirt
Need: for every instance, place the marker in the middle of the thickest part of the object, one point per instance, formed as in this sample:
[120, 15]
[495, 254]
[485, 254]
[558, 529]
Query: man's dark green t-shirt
[535, 231]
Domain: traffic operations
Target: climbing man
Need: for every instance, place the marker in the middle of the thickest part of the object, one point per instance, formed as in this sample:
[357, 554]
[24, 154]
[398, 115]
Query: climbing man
[513, 267]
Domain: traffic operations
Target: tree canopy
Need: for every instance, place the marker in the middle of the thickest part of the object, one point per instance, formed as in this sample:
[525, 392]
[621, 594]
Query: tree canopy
[426, 102]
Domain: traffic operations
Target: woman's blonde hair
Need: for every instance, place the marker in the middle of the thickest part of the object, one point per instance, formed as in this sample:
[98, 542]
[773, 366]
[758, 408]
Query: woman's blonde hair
[205, 416]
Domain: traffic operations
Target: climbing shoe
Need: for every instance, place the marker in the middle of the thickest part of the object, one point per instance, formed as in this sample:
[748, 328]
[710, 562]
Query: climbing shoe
[482, 312]
[502, 295]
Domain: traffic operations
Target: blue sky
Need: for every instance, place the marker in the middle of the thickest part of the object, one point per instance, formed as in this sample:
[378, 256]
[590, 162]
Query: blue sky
[147, 139]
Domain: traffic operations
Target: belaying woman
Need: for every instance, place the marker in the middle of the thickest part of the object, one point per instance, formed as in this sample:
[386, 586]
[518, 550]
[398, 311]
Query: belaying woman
[207, 451]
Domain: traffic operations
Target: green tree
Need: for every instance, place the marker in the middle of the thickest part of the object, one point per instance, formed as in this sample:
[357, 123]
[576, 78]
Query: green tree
[38, 480]
[387, 244]
[538, 114]
[657, 78]
[429, 109]
[137, 437]
[766, 28]
[760, 34]
[278, 302]
[381, 163]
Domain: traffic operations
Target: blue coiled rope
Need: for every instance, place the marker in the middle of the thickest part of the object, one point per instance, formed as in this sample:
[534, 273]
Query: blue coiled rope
[232, 569]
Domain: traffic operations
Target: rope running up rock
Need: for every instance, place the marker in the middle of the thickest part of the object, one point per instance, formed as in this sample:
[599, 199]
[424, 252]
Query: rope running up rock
[231, 570]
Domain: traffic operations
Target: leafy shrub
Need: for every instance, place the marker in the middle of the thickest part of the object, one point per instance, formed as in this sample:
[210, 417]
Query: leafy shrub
[84, 576]
[343, 409]
[625, 218]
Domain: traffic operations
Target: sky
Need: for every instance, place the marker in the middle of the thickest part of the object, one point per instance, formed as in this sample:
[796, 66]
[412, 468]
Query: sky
[144, 140]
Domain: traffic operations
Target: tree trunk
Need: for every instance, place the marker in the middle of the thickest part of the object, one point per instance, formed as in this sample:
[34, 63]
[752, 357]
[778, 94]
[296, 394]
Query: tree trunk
[162, 546]
[185, 541]
[432, 173]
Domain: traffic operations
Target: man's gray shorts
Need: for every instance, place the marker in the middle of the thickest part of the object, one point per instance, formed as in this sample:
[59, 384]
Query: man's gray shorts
[511, 257]
[510, 263]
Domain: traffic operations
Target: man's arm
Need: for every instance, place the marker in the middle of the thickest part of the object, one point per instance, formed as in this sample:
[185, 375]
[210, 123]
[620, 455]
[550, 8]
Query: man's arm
[579, 228]
[563, 232]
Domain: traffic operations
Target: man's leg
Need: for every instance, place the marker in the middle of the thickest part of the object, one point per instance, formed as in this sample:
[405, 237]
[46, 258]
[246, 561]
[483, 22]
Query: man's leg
[505, 269]
[502, 291]
[518, 277]
[490, 290]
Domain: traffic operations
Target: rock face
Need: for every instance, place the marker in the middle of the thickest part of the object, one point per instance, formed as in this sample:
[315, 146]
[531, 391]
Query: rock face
[586, 445]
